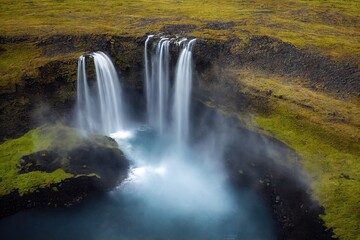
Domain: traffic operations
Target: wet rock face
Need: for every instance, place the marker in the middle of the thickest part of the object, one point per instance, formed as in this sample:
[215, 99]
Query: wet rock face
[109, 164]
[295, 214]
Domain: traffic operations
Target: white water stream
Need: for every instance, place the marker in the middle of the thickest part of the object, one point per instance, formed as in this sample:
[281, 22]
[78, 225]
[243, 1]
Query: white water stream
[99, 101]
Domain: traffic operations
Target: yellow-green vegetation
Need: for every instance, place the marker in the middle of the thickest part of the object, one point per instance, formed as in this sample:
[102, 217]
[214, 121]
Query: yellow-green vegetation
[18, 59]
[10, 153]
[58, 138]
[325, 133]
[330, 27]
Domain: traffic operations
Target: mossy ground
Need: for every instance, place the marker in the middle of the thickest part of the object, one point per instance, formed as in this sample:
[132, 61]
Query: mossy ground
[324, 132]
[10, 153]
[20, 59]
[58, 138]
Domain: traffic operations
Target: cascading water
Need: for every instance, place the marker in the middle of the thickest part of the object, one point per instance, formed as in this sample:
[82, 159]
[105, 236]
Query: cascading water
[182, 93]
[159, 92]
[147, 76]
[158, 85]
[99, 103]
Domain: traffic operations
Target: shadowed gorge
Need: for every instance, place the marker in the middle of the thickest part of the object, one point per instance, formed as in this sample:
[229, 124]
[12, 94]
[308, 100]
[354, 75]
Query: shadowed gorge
[179, 119]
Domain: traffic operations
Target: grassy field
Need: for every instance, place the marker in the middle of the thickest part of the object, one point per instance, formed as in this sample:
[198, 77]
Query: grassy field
[330, 27]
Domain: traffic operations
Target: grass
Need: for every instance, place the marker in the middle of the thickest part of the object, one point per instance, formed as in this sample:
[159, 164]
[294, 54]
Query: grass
[324, 132]
[15, 60]
[330, 27]
[24, 59]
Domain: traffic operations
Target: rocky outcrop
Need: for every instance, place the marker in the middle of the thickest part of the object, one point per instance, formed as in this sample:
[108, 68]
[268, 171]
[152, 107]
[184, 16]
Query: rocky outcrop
[91, 164]
[63, 194]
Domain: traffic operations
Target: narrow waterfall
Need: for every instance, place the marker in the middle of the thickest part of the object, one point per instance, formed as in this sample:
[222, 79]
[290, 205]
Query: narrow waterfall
[99, 105]
[147, 76]
[182, 93]
[158, 86]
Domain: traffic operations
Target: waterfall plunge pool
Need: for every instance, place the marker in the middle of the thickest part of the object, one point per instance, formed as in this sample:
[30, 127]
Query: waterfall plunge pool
[170, 193]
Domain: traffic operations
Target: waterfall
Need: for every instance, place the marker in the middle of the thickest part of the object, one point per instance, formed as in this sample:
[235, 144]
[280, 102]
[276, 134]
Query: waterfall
[159, 93]
[182, 93]
[158, 86]
[99, 105]
[147, 76]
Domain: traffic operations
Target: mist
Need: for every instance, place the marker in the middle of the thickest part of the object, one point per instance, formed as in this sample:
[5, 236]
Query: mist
[179, 184]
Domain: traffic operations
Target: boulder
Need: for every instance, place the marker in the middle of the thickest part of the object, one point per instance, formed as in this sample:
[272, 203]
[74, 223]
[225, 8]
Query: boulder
[60, 169]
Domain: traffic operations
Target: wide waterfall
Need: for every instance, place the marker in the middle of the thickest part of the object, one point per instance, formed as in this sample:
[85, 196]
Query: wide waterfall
[162, 99]
[182, 93]
[99, 103]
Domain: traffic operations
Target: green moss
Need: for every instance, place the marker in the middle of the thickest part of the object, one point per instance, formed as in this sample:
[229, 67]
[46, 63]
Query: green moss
[15, 60]
[10, 153]
[25, 59]
[328, 162]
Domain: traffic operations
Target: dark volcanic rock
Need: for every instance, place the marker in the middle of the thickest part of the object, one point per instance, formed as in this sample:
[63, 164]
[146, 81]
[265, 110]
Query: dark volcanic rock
[276, 56]
[95, 164]
[108, 163]
[44, 161]
[64, 194]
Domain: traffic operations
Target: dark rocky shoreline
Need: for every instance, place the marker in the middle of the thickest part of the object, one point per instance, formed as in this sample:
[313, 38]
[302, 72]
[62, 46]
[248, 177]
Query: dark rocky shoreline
[276, 177]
